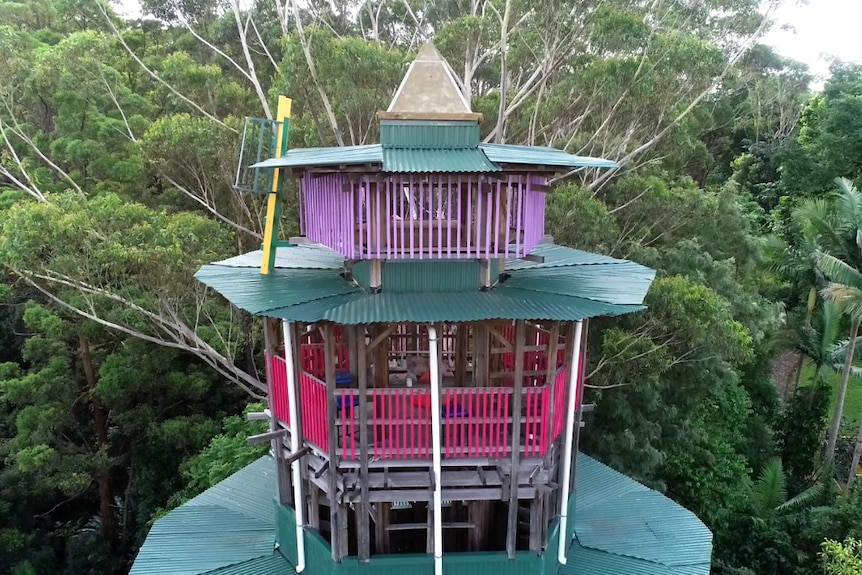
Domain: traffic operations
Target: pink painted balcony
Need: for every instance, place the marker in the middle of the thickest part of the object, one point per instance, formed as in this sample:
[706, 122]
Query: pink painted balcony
[416, 216]
[476, 421]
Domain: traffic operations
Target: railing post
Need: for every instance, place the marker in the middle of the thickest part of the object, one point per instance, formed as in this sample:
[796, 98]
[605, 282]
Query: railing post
[517, 393]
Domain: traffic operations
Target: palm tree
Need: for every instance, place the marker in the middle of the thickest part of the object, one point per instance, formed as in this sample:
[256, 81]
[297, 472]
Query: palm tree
[835, 226]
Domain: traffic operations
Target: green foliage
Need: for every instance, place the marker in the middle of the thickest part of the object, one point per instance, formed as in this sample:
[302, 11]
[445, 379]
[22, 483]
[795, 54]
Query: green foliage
[842, 558]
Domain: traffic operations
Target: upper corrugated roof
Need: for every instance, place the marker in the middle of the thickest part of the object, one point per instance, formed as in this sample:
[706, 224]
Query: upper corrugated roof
[229, 524]
[541, 156]
[570, 285]
[493, 154]
[436, 161]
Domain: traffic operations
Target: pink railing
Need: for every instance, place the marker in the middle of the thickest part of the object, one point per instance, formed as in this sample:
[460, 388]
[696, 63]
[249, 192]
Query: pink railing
[401, 423]
[536, 401]
[422, 216]
[476, 421]
[313, 358]
[315, 425]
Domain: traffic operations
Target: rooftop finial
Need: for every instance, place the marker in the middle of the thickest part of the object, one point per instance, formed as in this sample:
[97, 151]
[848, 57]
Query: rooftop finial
[429, 91]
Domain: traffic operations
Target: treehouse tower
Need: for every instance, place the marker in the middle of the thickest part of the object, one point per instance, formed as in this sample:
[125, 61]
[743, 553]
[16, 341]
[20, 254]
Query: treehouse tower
[425, 352]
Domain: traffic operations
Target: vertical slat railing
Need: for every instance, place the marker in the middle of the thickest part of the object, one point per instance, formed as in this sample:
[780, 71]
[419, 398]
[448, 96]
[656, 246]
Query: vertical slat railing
[348, 422]
[401, 423]
[276, 370]
[313, 404]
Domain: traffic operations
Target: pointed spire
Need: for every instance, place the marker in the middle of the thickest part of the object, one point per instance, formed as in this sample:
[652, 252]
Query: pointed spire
[429, 91]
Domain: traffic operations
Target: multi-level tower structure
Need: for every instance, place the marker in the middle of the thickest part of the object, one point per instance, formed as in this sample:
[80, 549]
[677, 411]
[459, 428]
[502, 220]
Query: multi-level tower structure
[425, 357]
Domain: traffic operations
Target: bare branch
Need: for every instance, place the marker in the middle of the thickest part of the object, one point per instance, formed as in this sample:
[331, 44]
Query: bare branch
[156, 77]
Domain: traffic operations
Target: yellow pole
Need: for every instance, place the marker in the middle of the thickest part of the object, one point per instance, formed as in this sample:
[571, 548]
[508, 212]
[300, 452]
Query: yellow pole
[273, 204]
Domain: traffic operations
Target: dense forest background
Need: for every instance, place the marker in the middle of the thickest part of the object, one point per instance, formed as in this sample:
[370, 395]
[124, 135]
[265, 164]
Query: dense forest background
[123, 382]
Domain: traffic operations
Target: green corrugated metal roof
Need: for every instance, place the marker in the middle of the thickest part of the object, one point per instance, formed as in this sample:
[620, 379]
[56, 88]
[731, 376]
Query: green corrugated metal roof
[441, 160]
[570, 285]
[307, 157]
[419, 276]
[620, 528]
[427, 134]
[274, 564]
[228, 524]
[541, 156]
[427, 158]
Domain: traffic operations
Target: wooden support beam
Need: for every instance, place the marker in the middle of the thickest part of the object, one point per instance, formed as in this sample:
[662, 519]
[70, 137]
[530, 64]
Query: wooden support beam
[379, 338]
[480, 355]
[517, 397]
[535, 523]
[462, 340]
[507, 345]
[256, 416]
[268, 436]
[332, 414]
[381, 528]
[294, 456]
[362, 529]
[381, 357]
[313, 505]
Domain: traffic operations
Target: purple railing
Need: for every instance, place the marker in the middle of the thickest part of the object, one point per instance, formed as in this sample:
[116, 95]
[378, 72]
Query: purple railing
[410, 216]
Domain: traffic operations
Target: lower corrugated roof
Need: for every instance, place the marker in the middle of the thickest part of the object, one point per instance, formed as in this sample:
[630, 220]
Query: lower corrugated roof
[568, 285]
[620, 528]
[230, 524]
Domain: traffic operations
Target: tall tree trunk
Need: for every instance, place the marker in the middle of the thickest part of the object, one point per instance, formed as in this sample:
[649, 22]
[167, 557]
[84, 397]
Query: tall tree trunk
[842, 393]
[809, 312]
[100, 420]
[857, 452]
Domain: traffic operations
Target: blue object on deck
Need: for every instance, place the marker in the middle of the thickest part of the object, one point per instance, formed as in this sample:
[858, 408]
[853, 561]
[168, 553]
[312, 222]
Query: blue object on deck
[454, 410]
[352, 400]
[343, 379]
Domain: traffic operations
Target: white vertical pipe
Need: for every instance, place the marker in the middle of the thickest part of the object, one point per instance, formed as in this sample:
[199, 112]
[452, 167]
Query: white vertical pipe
[568, 440]
[295, 445]
[436, 449]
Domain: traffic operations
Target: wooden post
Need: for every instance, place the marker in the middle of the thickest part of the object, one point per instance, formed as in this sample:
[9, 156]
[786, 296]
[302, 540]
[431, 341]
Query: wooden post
[479, 517]
[381, 534]
[536, 535]
[332, 414]
[381, 359]
[480, 355]
[362, 513]
[512, 532]
[313, 504]
[462, 335]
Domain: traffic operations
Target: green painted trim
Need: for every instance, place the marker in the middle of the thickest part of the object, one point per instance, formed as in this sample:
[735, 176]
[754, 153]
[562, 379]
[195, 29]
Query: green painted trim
[422, 276]
[429, 134]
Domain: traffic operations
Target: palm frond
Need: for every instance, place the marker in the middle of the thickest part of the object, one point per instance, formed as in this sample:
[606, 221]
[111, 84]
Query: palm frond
[770, 489]
[807, 497]
[838, 271]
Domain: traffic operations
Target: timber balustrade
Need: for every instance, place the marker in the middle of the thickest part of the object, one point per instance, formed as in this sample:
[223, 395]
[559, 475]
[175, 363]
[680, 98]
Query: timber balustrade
[476, 420]
[414, 216]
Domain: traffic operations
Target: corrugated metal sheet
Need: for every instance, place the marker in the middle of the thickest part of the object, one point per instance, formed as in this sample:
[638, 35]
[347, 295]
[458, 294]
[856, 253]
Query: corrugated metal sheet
[428, 134]
[194, 540]
[254, 292]
[308, 157]
[541, 156]
[228, 524]
[421, 276]
[249, 492]
[499, 303]
[301, 256]
[558, 256]
[425, 160]
[622, 527]
[570, 285]
[274, 564]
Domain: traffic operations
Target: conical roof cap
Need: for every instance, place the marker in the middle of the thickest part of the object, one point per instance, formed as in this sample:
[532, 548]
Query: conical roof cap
[429, 91]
